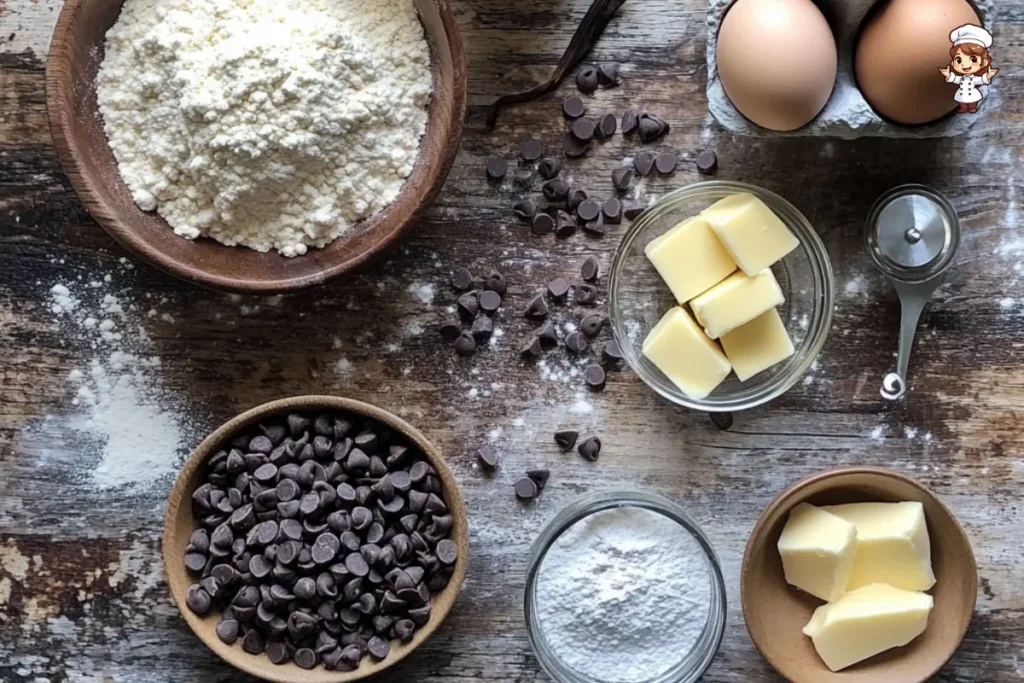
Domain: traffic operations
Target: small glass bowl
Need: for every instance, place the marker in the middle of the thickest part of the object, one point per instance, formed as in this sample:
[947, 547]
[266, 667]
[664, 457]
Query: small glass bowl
[690, 665]
[638, 297]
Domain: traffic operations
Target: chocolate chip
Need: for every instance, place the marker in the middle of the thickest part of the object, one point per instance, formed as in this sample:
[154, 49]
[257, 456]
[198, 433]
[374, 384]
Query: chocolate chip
[449, 332]
[227, 631]
[378, 647]
[608, 74]
[496, 168]
[588, 210]
[666, 163]
[643, 163]
[612, 211]
[549, 168]
[531, 349]
[595, 227]
[482, 329]
[254, 642]
[524, 210]
[629, 121]
[633, 212]
[447, 552]
[585, 294]
[611, 353]
[404, 629]
[574, 107]
[540, 478]
[304, 658]
[576, 342]
[566, 439]
[198, 600]
[594, 376]
[606, 126]
[651, 127]
[583, 129]
[526, 489]
[707, 162]
[558, 288]
[195, 562]
[591, 269]
[591, 325]
[538, 307]
[555, 190]
[576, 197]
[462, 279]
[531, 150]
[565, 226]
[465, 345]
[574, 148]
[621, 178]
[490, 301]
[547, 335]
[722, 421]
[496, 282]
[586, 80]
[468, 305]
[590, 449]
[543, 224]
[277, 653]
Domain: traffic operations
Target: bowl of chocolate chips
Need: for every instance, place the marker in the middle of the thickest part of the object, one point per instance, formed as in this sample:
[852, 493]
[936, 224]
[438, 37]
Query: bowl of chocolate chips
[316, 539]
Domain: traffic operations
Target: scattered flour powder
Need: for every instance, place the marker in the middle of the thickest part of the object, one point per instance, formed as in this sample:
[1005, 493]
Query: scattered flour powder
[623, 595]
[266, 123]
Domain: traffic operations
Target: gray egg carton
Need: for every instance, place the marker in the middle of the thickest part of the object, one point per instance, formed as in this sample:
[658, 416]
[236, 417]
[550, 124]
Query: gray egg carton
[847, 114]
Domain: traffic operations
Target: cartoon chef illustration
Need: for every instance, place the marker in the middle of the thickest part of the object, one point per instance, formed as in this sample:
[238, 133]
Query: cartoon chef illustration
[970, 65]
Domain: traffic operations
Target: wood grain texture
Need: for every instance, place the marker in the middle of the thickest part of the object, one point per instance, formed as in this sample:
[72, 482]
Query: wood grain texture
[82, 596]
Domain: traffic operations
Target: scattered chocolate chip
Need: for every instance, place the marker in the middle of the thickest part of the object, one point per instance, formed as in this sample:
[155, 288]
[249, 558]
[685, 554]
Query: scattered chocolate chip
[666, 163]
[576, 197]
[621, 178]
[629, 121]
[585, 294]
[583, 129]
[591, 269]
[573, 148]
[468, 305]
[462, 279]
[588, 210]
[595, 227]
[633, 212]
[523, 178]
[482, 329]
[490, 301]
[586, 80]
[524, 210]
[611, 353]
[576, 342]
[538, 307]
[540, 477]
[591, 325]
[566, 439]
[606, 126]
[549, 167]
[487, 457]
[526, 489]
[547, 335]
[565, 226]
[555, 190]
[543, 224]
[465, 345]
[651, 127]
[707, 162]
[496, 282]
[574, 107]
[590, 449]
[558, 288]
[496, 168]
[532, 349]
[722, 420]
[594, 376]
[643, 163]
[608, 74]
[531, 150]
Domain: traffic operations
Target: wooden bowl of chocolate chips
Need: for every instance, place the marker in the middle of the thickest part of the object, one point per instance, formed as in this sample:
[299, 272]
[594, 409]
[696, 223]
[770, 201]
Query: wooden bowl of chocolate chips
[315, 539]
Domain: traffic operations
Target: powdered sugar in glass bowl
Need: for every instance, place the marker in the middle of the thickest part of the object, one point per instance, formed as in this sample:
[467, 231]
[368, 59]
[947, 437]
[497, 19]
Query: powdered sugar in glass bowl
[624, 588]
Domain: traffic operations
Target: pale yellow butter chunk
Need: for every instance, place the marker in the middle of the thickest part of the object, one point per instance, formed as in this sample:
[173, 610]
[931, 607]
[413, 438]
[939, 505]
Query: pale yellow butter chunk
[690, 259]
[817, 550]
[893, 546]
[867, 622]
[736, 301]
[684, 353]
[758, 345]
[750, 231]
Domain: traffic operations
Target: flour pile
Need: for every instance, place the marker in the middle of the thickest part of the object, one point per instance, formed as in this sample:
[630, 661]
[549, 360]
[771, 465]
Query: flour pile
[265, 123]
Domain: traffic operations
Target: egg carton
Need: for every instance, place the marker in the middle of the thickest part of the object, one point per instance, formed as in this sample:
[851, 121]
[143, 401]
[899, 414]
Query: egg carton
[847, 114]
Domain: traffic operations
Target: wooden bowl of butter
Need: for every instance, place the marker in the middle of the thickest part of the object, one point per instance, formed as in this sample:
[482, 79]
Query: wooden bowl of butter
[858, 575]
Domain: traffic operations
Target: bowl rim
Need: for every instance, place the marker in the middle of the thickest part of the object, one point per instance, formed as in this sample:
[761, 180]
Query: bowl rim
[69, 152]
[821, 266]
[251, 664]
[784, 498]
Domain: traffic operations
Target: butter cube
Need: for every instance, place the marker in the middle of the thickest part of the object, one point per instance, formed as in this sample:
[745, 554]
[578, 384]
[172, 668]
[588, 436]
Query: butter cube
[893, 546]
[750, 231]
[690, 259]
[866, 622]
[684, 353]
[817, 550]
[758, 345]
[736, 301]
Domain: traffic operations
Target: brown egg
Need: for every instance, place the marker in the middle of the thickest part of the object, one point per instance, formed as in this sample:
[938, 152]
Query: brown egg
[777, 60]
[900, 53]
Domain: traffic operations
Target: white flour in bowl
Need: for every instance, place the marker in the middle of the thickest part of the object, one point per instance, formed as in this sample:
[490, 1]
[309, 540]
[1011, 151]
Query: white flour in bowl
[265, 123]
[623, 595]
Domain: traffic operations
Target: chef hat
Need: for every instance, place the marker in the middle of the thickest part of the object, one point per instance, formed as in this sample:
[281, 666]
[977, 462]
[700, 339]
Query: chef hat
[971, 34]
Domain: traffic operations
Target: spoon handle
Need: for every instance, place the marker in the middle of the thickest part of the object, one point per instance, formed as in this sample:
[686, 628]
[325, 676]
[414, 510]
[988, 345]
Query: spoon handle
[913, 298]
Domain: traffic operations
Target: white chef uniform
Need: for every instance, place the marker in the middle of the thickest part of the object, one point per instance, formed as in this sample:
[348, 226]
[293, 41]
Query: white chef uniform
[969, 92]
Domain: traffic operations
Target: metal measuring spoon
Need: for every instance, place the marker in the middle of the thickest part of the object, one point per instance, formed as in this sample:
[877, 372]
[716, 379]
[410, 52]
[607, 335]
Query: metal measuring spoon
[912, 235]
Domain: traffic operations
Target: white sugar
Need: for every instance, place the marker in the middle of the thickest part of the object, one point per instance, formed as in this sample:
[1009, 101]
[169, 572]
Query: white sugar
[422, 292]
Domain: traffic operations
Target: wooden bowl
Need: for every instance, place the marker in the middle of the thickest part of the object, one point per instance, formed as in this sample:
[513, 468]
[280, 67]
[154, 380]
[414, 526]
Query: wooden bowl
[179, 523]
[776, 612]
[76, 52]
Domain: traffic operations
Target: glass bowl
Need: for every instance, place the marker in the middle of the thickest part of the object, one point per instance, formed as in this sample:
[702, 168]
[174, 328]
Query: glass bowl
[638, 297]
[687, 667]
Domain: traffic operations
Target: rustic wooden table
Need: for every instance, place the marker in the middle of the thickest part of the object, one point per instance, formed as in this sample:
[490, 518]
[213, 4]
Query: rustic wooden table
[82, 595]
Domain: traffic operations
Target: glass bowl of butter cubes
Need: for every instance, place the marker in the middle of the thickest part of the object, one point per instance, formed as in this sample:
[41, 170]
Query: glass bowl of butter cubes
[721, 296]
